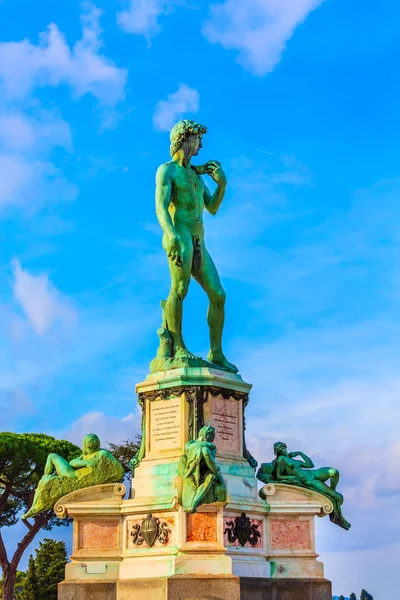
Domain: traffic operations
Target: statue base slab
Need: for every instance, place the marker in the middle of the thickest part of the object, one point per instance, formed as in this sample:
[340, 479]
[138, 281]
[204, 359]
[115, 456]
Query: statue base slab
[242, 546]
[181, 587]
[122, 541]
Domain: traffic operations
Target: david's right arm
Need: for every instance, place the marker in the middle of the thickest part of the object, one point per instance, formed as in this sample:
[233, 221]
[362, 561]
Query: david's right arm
[163, 198]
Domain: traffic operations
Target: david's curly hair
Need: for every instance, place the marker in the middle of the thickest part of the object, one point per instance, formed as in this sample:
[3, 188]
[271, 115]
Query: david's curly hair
[181, 131]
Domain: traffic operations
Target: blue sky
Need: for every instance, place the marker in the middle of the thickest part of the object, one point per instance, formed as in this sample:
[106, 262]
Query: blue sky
[301, 103]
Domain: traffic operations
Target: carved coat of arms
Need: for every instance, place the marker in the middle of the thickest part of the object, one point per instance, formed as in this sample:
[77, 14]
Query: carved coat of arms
[243, 530]
[149, 531]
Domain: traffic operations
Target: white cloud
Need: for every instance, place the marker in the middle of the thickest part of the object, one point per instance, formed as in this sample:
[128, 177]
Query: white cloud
[28, 133]
[27, 177]
[168, 112]
[258, 29]
[18, 132]
[141, 16]
[31, 183]
[42, 302]
[24, 66]
[108, 428]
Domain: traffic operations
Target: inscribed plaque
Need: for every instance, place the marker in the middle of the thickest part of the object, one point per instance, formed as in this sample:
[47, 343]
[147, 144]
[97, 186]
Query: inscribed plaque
[226, 419]
[165, 424]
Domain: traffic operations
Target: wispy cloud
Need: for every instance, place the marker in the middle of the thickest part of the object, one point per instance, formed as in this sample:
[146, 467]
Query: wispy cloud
[141, 16]
[25, 66]
[178, 104]
[257, 29]
[41, 301]
[107, 427]
[27, 177]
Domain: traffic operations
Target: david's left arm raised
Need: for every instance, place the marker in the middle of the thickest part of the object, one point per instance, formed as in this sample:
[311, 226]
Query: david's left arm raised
[212, 202]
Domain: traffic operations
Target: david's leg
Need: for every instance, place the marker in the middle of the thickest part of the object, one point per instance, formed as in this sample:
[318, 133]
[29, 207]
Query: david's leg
[209, 279]
[180, 278]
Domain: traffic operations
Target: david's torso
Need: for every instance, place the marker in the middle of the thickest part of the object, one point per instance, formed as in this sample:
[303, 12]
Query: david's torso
[187, 200]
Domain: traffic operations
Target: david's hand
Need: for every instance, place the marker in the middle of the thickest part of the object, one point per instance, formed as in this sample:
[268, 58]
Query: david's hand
[174, 250]
[216, 172]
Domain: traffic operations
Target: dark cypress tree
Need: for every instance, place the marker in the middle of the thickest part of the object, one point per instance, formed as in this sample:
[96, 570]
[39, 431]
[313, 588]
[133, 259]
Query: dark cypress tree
[30, 589]
[353, 596]
[50, 560]
[341, 597]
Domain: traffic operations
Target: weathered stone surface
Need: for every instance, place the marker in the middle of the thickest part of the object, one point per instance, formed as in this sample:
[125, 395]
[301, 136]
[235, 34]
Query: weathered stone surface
[202, 527]
[182, 587]
[77, 590]
[291, 534]
[98, 535]
[217, 587]
[142, 589]
[257, 588]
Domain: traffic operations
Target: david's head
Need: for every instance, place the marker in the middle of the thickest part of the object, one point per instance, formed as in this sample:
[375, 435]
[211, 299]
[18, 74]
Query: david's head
[187, 135]
[91, 443]
[207, 433]
[280, 449]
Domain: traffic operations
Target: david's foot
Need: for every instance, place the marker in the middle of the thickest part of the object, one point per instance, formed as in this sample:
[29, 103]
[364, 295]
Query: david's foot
[217, 357]
[183, 352]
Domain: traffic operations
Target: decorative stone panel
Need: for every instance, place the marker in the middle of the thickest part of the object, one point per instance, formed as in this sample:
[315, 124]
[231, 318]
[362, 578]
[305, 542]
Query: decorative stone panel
[98, 535]
[202, 527]
[290, 534]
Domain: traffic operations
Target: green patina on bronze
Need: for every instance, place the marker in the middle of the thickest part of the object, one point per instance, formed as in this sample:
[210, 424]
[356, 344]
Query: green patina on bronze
[181, 197]
[93, 467]
[285, 468]
[202, 481]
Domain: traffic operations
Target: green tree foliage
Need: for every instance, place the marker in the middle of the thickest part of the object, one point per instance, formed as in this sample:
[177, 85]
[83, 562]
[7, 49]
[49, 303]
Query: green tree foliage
[341, 597]
[124, 452]
[50, 560]
[22, 460]
[30, 588]
[365, 595]
[353, 596]
[19, 584]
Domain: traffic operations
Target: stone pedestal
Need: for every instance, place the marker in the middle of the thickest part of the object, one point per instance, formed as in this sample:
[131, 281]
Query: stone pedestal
[290, 530]
[147, 546]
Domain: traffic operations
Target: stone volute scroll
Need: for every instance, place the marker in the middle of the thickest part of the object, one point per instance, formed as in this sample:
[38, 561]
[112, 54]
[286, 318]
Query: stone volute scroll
[297, 469]
[95, 466]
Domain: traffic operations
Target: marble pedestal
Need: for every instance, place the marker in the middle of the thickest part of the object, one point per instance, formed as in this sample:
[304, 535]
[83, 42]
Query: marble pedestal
[247, 547]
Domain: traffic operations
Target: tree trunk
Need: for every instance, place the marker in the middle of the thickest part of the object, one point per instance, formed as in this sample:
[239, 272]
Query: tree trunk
[10, 568]
[9, 575]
